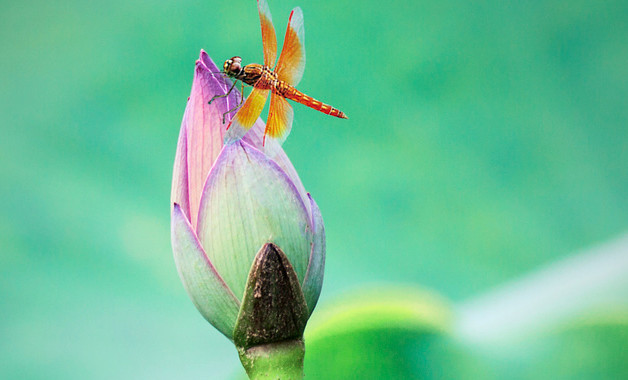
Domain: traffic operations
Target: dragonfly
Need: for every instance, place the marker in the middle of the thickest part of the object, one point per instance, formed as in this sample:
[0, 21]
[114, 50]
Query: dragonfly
[280, 81]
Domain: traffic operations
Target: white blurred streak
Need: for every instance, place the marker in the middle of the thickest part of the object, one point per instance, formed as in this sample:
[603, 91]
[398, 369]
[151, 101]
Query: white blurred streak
[593, 279]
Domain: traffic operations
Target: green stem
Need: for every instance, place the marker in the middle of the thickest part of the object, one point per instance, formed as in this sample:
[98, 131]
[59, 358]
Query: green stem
[282, 360]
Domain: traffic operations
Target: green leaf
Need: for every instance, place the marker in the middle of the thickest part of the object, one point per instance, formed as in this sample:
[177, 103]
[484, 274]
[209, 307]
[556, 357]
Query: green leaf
[375, 334]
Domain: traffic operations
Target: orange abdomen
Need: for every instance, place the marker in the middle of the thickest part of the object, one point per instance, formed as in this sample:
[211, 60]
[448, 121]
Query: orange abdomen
[296, 95]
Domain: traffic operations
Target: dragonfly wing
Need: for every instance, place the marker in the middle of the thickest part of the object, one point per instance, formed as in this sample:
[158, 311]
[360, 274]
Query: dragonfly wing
[246, 115]
[269, 39]
[280, 119]
[292, 59]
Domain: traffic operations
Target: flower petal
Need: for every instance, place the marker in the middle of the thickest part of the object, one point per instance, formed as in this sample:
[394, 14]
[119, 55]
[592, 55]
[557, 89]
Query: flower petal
[249, 201]
[204, 126]
[255, 138]
[208, 291]
[180, 190]
[313, 281]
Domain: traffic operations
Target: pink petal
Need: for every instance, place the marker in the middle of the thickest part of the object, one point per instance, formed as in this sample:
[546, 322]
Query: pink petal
[180, 191]
[204, 126]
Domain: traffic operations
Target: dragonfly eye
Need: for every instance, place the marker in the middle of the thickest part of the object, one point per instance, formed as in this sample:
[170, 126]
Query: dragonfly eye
[235, 65]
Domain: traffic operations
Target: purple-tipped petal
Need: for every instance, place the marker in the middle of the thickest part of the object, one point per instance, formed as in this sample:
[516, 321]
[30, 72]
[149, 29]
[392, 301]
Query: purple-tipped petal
[314, 276]
[249, 201]
[204, 126]
[206, 288]
[180, 189]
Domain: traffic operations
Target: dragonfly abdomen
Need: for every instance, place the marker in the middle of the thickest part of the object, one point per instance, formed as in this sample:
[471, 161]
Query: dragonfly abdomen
[292, 93]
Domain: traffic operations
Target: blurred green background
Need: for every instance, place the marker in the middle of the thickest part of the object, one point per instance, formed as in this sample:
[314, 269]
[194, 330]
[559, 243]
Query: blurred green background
[485, 140]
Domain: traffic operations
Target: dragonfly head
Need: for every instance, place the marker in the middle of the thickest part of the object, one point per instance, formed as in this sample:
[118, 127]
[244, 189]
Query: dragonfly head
[233, 66]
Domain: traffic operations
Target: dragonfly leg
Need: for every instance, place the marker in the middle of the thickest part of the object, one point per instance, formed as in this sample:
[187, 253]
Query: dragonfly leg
[223, 95]
[237, 106]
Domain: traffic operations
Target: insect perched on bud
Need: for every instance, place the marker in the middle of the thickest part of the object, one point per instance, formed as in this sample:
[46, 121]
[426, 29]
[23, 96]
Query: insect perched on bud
[279, 80]
[241, 223]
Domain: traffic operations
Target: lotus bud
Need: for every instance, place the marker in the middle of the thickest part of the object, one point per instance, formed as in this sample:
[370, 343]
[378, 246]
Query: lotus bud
[248, 240]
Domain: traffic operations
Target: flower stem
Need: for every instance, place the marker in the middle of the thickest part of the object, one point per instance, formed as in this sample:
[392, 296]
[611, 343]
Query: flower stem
[273, 361]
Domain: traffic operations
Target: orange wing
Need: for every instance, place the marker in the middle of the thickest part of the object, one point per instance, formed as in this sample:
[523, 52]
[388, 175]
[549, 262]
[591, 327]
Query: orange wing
[292, 59]
[269, 39]
[246, 115]
[279, 119]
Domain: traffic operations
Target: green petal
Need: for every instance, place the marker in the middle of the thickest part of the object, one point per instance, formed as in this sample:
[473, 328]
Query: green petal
[255, 138]
[249, 201]
[213, 299]
[314, 277]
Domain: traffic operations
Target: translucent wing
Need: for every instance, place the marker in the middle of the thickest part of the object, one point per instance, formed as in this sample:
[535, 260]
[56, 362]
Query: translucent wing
[269, 39]
[246, 115]
[292, 59]
[279, 119]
